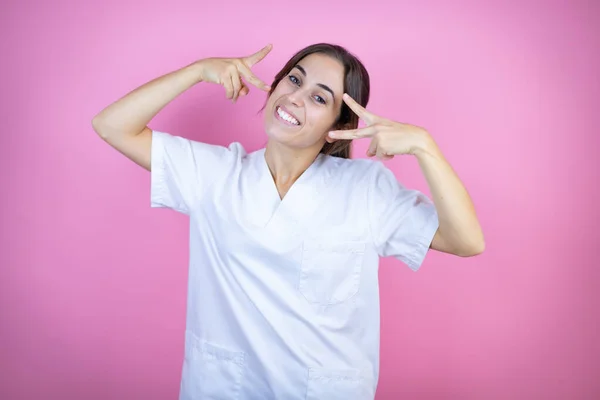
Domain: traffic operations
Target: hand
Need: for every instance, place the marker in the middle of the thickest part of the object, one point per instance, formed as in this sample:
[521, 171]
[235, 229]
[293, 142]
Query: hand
[389, 138]
[230, 71]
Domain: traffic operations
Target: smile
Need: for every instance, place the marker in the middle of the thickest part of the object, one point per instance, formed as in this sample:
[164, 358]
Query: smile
[286, 117]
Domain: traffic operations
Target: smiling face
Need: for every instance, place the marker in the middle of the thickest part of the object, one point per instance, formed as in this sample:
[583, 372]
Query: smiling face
[306, 103]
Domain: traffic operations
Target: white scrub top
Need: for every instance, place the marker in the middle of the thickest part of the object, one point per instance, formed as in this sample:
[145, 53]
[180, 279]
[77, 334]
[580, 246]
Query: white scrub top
[283, 295]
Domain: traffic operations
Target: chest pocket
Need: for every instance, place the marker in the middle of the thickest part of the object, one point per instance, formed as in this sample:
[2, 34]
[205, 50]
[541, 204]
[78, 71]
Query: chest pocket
[330, 272]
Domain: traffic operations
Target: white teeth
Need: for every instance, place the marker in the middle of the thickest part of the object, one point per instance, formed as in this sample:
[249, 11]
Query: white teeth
[287, 117]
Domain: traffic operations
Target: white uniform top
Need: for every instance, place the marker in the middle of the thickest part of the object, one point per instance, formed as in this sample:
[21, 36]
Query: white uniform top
[283, 295]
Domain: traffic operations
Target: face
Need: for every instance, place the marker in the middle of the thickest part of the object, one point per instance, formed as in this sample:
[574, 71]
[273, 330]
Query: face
[306, 103]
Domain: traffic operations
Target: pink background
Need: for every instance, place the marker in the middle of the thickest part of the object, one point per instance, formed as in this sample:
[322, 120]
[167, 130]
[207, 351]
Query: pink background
[93, 281]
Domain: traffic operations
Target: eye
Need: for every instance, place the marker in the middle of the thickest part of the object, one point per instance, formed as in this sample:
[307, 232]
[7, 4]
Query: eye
[320, 99]
[294, 80]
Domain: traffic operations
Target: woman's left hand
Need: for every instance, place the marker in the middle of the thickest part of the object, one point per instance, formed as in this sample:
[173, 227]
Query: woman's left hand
[459, 230]
[388, 138]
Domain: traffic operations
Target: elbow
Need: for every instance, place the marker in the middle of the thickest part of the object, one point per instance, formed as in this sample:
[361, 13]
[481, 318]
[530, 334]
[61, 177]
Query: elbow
[100, 128]
[96, 125]
[466, 245]
[473, 248]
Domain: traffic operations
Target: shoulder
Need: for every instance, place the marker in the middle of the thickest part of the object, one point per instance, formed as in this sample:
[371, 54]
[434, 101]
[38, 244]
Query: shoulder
[369, 179]
[179, 148]
[358, 172]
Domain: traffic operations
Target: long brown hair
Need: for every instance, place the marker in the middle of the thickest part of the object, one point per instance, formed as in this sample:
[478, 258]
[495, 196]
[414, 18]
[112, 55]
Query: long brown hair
[356, 84]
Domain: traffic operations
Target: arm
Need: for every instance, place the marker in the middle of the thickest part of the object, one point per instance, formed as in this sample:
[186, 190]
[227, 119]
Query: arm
[123, 124]
[459, 230]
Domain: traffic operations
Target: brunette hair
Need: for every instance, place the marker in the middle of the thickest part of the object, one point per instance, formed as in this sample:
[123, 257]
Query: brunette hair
[356, 84]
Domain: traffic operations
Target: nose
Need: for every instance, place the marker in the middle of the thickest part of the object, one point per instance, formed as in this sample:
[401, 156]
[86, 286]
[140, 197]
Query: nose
[296, 97]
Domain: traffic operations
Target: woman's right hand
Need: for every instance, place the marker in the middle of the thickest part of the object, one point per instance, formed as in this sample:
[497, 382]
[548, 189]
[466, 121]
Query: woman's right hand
[230, 71]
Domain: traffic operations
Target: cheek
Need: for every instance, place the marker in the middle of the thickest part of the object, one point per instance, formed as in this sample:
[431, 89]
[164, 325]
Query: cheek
[318, 123]
[322, 118]
[281, 89]
[278, 92]
[270, 102]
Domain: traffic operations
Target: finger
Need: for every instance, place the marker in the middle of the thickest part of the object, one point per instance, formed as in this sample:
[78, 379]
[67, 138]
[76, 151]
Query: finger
[237, 86]
[228, 85]
[258, 56]
[384, 156]
[376, 150]
[358, 109]
[253, 79]
[354, 133]
[372, 150]
[244, 90]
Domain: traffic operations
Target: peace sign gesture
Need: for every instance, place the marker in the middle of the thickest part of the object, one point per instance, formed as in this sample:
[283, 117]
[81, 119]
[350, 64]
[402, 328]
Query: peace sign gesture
[230, 71]
[388, 138]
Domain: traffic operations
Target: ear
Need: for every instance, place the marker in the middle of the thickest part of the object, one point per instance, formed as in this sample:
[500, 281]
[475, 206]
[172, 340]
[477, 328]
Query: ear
[341, 127]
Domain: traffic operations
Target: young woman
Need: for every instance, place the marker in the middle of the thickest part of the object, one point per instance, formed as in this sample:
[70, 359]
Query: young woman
[283, 298]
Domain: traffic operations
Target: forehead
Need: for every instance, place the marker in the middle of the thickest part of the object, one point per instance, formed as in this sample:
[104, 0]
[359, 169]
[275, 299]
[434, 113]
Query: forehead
[324, 69]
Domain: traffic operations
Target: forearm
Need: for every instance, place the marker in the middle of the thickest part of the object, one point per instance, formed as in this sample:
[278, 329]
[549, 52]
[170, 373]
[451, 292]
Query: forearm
[131, 114]
[459, 229]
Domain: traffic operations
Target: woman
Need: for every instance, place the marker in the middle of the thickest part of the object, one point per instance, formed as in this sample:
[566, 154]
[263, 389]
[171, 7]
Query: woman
[284, 242]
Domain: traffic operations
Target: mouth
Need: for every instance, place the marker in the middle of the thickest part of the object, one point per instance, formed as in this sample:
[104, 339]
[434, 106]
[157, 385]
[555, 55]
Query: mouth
[286, 117]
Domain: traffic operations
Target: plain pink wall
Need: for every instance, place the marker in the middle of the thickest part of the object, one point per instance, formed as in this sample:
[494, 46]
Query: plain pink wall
[93, 281]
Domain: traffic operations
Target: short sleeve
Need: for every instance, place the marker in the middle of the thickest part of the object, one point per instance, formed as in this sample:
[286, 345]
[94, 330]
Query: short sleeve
[403, 221]
[182, 170]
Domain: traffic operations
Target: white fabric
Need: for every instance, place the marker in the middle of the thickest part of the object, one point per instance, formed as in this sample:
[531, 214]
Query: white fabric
[283, 296]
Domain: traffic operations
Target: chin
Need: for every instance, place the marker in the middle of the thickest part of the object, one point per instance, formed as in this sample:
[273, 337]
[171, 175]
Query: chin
[278, 135]
[280, 130]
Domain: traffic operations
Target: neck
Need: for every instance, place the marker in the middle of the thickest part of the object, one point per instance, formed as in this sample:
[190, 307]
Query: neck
[288, 164]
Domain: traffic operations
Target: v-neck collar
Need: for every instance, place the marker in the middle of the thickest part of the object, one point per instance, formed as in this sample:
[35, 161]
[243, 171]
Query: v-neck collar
[301, 199]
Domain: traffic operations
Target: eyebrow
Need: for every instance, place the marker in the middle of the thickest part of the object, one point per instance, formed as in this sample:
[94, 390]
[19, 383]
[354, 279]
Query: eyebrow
[303, 71]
